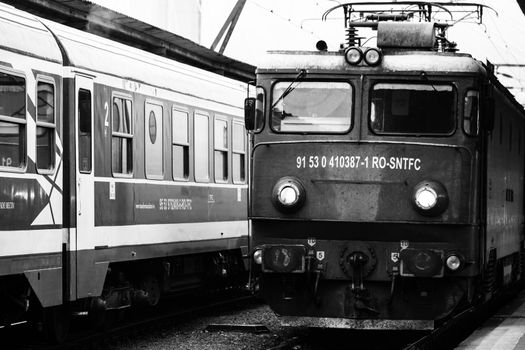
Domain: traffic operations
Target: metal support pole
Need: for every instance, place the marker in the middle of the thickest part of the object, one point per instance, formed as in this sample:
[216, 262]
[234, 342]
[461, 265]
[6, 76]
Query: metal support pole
[230, 23]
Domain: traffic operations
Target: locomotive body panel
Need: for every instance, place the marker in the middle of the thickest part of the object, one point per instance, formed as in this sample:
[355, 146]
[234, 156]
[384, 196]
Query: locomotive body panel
[505, 169]
[366, 182]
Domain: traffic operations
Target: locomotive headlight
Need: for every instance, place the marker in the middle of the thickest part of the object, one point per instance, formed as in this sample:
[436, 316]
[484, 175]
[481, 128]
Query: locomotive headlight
[430, 198]
[257, 256]
[425, 197]
[372, 56]
[453, 262]
[353, 55]
[288, 194]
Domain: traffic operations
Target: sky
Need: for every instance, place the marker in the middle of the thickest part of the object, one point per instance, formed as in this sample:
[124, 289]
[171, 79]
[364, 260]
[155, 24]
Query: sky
[296, 24]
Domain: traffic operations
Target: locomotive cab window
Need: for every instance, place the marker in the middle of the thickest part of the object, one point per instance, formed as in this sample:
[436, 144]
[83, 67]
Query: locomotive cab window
[180, 147]
[317, 107]
[405, 108]
[45, 127]
[221, 150]
[12, 121]
[471, 113]
[122, 136]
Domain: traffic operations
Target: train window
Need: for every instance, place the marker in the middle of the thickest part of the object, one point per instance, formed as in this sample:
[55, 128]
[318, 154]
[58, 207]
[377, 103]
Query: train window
[239, 153]
[471, 113]
[153, 141]
[221, 150]
[84, 131]
[201, 131]
[412, 108]
[312, 107]
[12, 121]
[180, 145]
[122, 136]
[45, 126]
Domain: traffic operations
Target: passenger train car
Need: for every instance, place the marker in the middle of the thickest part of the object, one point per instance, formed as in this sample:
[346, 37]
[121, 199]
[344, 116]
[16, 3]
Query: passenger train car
[122, 174]
[387, 188]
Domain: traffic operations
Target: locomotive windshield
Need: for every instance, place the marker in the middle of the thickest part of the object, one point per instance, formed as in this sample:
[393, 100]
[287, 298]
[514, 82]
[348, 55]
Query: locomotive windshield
[412, 109]
[312, 107]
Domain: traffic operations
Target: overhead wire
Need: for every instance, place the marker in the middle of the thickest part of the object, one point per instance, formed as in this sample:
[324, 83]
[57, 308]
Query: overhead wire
[516, 71]
[283, 18]
[465, 19]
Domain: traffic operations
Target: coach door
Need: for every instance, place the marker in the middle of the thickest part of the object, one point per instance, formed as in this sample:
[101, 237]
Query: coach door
[85, 183]
[87, 240]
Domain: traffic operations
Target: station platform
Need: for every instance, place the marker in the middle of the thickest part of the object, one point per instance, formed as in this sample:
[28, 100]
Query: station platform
[505, 330]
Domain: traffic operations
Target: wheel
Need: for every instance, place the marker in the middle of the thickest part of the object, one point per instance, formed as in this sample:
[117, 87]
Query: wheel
[97, 314]
[151, 286]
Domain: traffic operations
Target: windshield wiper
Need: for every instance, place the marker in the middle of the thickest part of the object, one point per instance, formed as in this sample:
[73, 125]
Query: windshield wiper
[290, 87]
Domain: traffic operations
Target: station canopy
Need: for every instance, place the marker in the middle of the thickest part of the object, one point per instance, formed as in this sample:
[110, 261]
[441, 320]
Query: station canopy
[96, 19]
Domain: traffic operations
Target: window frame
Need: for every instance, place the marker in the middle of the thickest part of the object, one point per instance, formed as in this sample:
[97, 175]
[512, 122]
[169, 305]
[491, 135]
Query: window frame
[260, 110]
[147, 137]
[123, 96]
[201, 113]
[186, 111]
[270, 101]
[478, 95]
[223, 118]
[454, 90]
[23, 158]
[48, 80]
[234, 151]
[78, 131]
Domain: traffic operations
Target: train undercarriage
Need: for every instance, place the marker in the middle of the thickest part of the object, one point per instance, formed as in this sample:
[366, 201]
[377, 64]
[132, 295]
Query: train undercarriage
[139, 284]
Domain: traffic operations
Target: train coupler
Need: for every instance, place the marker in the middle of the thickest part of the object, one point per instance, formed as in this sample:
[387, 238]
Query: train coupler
[362, 304]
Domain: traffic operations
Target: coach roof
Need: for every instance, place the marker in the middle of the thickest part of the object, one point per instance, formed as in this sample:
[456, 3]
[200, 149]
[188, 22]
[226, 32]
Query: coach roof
[23, 33]
[103, 56]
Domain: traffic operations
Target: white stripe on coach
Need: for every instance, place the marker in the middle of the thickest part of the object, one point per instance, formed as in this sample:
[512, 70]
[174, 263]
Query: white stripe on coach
[21, 242]
[114, 236]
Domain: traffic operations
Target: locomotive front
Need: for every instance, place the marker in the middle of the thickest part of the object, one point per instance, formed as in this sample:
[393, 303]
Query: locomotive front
[366, 180]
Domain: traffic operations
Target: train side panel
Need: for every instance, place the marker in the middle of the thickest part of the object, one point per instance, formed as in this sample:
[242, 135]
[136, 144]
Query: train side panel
[146, 204]
[505, 168]
[31, 166]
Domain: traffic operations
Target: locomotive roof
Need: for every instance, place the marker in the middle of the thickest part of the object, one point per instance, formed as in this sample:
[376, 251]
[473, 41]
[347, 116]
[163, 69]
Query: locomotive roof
[401, 61]
[23, 33]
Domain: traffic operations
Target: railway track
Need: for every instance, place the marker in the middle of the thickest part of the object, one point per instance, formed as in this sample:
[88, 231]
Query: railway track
[164, 315]
[447, 336]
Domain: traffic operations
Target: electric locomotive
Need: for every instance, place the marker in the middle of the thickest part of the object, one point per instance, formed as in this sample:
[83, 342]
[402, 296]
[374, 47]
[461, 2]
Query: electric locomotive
[387, 182]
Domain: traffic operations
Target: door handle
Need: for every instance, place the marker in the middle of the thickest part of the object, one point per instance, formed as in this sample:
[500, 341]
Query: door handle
[79, 202]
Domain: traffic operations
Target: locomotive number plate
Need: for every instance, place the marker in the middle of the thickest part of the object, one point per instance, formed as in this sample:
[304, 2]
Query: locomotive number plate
[355, 162]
